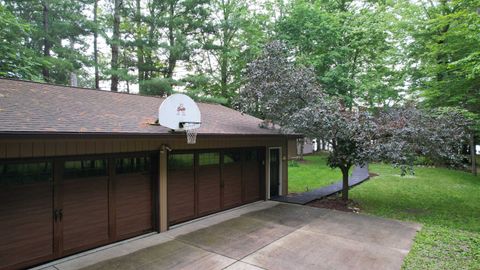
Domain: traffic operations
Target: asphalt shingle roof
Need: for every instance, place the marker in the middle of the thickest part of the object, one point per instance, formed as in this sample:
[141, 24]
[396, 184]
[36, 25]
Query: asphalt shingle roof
[28, 107]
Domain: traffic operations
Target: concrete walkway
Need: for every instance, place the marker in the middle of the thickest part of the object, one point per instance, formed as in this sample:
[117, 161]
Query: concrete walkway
[264, 235]
[359, 175]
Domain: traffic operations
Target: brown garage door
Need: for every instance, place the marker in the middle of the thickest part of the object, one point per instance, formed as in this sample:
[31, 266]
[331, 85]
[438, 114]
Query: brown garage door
[205, 182]
[55, 208]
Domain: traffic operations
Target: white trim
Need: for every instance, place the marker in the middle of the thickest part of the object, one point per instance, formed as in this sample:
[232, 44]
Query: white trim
[280, 176]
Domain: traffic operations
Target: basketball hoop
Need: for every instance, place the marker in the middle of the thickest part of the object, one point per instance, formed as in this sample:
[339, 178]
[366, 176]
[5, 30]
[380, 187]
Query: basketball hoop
[191, 131]
[180, 113]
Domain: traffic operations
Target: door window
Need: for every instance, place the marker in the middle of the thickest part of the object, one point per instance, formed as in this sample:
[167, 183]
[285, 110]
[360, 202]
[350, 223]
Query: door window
[85, 168]
[132, 165]
[180, 161]
[25, 173]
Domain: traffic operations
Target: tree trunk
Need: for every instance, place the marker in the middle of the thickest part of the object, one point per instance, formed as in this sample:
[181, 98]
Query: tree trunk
[172, 57]
[140, 60]
[115, 45]
[95, 44]
[473, 154]
[345, 186]
[46, 41]
[302, 145]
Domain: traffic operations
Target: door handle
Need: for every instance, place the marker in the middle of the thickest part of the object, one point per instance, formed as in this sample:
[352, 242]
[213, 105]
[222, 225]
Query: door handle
[57, 215]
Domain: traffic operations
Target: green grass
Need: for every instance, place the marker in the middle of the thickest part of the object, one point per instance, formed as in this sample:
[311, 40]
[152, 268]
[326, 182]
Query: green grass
[446, 202]
[311, 174]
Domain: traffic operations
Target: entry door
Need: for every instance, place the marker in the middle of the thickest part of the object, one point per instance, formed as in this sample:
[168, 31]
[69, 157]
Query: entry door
[274, 172]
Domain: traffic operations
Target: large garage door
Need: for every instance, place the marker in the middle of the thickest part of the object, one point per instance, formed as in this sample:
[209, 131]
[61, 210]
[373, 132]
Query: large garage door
[51, 209]
[205, 182]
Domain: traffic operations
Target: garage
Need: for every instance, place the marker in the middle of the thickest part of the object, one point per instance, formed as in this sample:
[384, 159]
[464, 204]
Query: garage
[208, 181]
[53, 208]
[82, 168]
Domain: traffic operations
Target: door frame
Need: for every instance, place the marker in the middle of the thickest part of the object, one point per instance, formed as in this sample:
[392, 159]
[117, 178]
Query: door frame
[280, 176]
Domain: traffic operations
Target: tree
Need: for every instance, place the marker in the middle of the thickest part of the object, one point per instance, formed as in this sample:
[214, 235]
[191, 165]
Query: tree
[115, 44]
[17, 61]
[352, 47]
[95, 44]
[233, 36]
[398, 135]
[57, 36]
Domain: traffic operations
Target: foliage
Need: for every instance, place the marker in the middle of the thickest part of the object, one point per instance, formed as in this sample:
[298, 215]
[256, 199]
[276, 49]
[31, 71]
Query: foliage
[17, 61]
[444, 52]
[60, 44]
[157, 87]
[351, 46]
[289, 96]
[276, 87]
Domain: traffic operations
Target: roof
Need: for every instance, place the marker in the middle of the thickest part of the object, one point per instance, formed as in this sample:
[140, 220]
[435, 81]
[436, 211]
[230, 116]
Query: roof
[39, 108]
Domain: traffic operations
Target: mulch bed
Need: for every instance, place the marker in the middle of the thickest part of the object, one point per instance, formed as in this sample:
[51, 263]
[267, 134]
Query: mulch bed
[335, 202]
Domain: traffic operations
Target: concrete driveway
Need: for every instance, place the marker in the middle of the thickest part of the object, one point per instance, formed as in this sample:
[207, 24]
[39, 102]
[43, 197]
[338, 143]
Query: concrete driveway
[265, 235]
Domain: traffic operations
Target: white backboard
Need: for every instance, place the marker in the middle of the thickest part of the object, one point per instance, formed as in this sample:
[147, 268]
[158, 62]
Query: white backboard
[176, 109]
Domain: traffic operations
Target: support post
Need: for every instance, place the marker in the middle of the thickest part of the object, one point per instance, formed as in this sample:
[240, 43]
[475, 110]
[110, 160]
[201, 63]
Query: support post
[163, 189]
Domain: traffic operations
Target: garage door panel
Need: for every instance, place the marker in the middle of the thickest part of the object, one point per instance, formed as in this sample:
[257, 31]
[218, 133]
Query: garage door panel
[181, 195]
[133, 204]
[208, 189]
[85, 213]
[232, 182]
[26, 205]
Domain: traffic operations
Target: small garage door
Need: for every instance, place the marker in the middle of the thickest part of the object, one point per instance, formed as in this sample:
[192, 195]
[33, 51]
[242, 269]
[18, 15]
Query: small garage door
[205, 182]
[56, 208]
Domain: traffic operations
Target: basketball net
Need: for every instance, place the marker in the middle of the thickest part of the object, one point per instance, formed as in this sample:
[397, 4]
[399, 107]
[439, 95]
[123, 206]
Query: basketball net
[191, 130]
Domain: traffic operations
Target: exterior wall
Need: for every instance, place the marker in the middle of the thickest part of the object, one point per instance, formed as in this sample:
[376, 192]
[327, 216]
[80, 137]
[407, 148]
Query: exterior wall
[56, 147]
[12, 148]
[292, 148]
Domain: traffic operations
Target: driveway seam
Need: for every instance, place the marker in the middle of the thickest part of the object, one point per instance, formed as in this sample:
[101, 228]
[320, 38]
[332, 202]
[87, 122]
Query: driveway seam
[211, 251]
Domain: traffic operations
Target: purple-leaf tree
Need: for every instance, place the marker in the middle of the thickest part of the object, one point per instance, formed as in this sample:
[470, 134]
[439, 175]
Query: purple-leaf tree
[289, 95]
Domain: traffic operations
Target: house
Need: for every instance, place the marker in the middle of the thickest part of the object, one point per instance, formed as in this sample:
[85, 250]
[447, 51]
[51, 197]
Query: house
[82, 168]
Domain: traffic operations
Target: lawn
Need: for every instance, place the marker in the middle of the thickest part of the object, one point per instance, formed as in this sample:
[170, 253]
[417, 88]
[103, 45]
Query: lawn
[446, 202]
[310, 174]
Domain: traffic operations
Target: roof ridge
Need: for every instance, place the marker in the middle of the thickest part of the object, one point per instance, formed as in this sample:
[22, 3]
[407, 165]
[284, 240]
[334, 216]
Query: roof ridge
[77, 87]
[103, 91]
